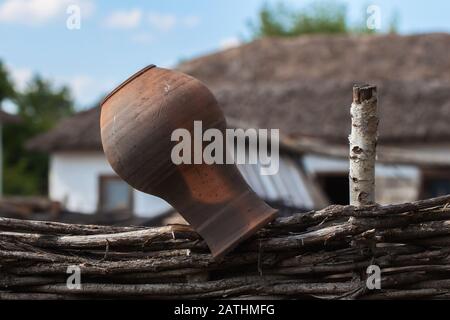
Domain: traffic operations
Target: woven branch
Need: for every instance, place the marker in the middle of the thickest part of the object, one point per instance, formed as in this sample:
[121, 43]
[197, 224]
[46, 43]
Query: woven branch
[320, 254]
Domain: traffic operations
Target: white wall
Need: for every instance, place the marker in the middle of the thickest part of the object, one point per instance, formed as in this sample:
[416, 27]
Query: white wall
[73, 180]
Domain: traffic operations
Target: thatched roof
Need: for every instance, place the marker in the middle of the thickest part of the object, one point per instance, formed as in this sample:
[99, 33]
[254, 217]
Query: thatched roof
[303, 86]
[8, 118]
[80, 132]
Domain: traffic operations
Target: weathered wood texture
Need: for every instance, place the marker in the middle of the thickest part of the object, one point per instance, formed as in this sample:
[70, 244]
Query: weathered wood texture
[320, 254]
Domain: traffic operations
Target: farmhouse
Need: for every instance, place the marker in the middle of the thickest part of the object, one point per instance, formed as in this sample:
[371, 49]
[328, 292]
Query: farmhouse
[301, 87]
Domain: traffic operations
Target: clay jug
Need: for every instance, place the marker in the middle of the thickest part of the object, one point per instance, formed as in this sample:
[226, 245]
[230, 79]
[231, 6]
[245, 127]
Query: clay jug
[137, 121]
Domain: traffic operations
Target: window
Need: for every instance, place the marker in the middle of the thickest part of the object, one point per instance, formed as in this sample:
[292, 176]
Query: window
[115, 196]
[335, 186]
[435, 184]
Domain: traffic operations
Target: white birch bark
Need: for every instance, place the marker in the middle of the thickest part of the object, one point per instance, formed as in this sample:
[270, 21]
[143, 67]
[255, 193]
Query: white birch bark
[363, 142]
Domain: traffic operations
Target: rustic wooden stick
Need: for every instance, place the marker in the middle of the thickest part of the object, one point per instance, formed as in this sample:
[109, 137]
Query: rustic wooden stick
[56, 227]
[131, 238]
[363, 141]
[5, 295]
[407, 294]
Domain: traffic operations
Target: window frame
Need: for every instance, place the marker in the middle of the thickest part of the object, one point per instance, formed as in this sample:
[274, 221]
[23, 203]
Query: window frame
[102, 180]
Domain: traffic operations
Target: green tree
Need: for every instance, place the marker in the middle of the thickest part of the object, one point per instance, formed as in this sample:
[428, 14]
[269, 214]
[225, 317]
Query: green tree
[325, 17]
[6, 86]
[393, 24]
[6, 92]
[41, 106]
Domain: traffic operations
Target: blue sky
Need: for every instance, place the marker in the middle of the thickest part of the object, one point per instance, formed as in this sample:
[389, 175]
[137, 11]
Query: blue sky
[117, 38]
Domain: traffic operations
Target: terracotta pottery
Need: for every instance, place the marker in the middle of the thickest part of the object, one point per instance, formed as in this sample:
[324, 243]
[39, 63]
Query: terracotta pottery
[137, 121]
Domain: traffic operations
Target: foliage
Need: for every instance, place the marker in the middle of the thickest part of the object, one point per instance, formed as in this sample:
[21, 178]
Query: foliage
[6, 86]
[40, 107]
[325, 17]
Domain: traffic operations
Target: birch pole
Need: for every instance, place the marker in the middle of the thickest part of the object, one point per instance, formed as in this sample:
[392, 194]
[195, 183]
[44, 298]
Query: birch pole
[363, 142]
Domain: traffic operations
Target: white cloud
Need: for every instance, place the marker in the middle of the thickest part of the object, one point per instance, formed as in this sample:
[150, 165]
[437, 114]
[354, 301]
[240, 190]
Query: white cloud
[20, 76]
[80, 84]
[164, 22]
[191, 21]
[9, 106]
[170, 63]
[124, 19]
[230, 42]
[142, 38]
[86, 89]
[36, 12]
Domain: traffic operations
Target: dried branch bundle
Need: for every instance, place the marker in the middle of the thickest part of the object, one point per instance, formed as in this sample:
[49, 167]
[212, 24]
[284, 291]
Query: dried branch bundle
[320, 254]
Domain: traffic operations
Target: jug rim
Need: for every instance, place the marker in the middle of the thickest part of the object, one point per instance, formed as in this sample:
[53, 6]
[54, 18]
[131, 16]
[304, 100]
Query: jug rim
[124, 83]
